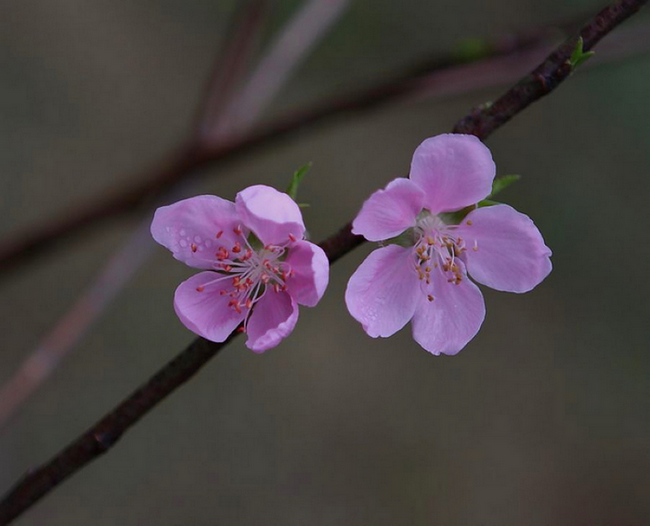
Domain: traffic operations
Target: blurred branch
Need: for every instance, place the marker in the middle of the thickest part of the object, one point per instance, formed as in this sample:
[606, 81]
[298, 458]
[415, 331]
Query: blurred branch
[244, 29]
[244, 32]
[105, 433]
[304, 29]
[195, 154]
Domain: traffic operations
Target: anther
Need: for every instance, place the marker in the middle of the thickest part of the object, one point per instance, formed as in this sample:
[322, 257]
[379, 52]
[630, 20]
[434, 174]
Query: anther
[219, 234]
[193, 247]
[200, 288]
[237, 231]
[469, 222]
[430, 297]
[292, 237]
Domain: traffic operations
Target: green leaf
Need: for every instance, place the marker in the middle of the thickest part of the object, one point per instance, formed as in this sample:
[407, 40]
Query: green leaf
[502, 183]
[578, 56]
[295, 180]
[472, 49]
[487, 202]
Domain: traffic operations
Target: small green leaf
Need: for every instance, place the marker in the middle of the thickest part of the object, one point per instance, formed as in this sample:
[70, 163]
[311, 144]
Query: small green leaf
[295, 180]
[472, 49]
[304, 205]
[502, 183]
[487, 202]
[578, 56]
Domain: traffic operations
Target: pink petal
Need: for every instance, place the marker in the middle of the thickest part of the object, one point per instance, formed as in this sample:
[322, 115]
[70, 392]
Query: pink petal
[193, 229]
[206, 313]
[274, 317]
[452, 319]
[273, 216]
[383, 292]
[454, 171]
[387, 213]
[511, 254]
[310, 272]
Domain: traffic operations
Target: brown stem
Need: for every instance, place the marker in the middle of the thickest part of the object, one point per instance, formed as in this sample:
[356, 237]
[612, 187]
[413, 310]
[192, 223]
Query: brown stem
[548, 75]
[105, 433]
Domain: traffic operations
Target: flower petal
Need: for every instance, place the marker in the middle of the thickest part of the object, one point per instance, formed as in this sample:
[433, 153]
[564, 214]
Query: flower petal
[274, 317]
[192, 229]
[510, 252]
[383, 292]
[387, 213]
[454, 170]
[206, 313]
[273, 216]
[452, 319]
[310, 272]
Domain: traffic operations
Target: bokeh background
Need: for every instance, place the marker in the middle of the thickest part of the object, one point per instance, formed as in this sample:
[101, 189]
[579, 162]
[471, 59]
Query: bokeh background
[542, 419]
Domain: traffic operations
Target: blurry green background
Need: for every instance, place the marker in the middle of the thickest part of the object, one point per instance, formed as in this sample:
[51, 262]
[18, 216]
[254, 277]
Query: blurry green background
[541, 420]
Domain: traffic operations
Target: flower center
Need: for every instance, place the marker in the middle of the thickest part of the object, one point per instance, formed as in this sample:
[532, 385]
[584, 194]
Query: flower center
[437, 249]
[246, 273]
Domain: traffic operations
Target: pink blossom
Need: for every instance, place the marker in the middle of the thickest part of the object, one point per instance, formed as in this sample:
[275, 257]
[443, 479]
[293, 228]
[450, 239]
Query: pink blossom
[426, 281]
[253, 254]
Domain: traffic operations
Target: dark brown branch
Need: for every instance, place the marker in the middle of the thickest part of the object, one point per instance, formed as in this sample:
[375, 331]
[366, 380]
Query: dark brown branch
[105, 433]
[192, 157]
[548, 75]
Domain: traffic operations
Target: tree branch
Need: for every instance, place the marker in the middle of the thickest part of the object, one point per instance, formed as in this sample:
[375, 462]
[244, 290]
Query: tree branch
[105, 433]
[548, 75]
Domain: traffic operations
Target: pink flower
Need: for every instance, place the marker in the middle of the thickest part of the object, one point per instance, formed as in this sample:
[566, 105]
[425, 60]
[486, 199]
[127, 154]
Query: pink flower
[274, 269]
[426, 281]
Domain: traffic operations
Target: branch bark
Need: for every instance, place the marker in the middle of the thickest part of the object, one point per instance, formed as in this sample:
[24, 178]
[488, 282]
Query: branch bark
[105, 433]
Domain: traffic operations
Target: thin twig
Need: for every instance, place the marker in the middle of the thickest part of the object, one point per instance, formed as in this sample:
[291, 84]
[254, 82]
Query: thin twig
[191, 156]
[103, 435]
[548, 75]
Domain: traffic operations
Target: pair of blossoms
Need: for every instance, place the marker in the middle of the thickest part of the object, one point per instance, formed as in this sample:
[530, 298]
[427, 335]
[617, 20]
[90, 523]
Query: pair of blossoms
[254, 254]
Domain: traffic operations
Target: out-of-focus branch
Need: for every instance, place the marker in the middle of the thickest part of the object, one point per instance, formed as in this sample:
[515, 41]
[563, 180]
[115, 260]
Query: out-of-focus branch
[293, 44]
[244, 32]
[105, 433]
[230, 65]
[305, 28]
[194, 155]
